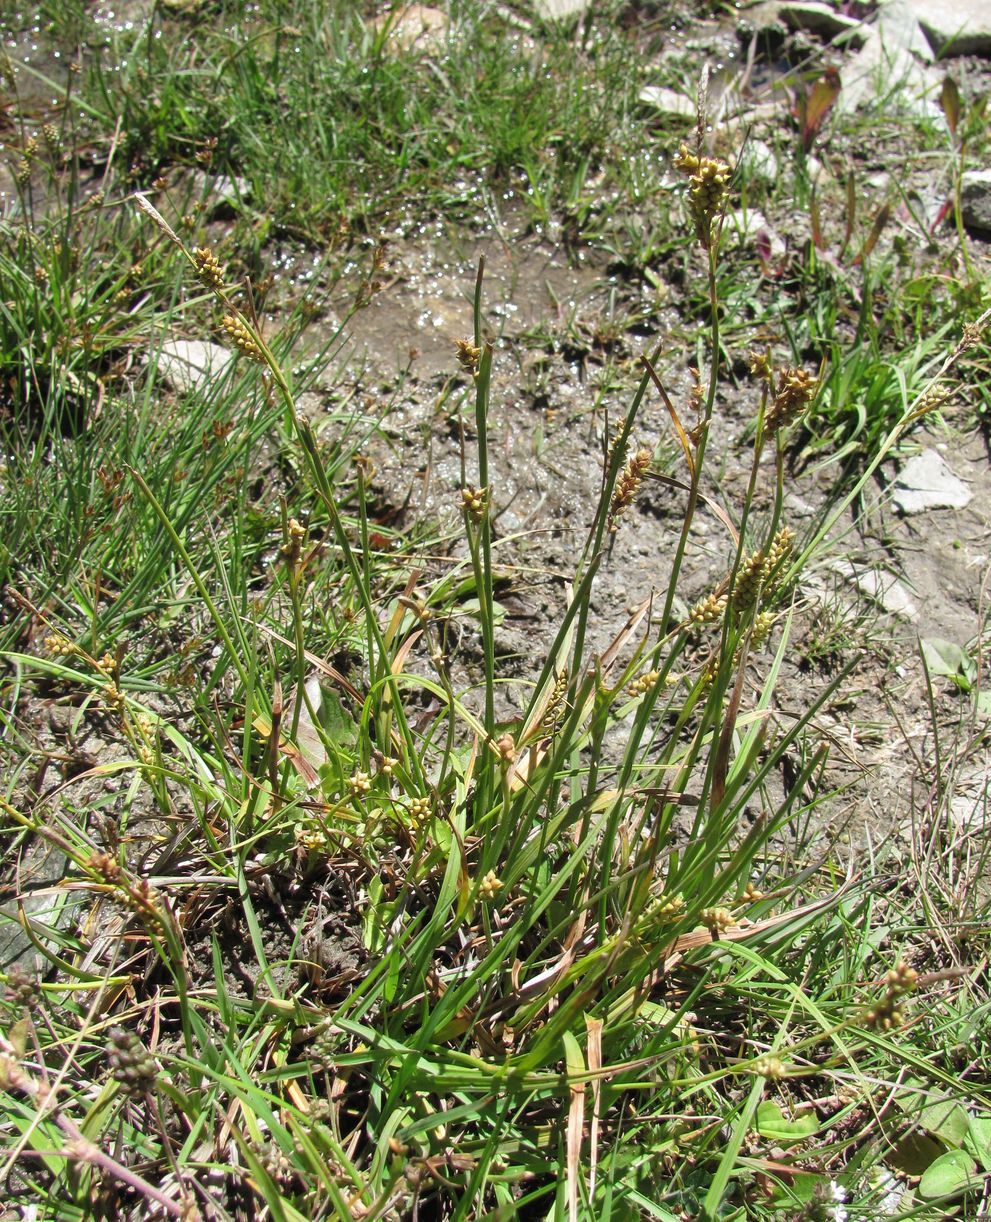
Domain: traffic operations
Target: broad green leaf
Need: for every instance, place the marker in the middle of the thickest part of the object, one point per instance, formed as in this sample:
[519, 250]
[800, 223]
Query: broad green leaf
[947, 658]
[951, 1173]
[473, 607]
[797, 1187]
[978, 1140]
[947, 1121]
[914, 1152]
[772, 1124]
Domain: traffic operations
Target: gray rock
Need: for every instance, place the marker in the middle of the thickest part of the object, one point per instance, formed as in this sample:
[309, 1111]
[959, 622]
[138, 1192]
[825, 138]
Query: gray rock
[970, 806]
[189, 365]
[896, 54]
[926, 482]
[823, 21]
[9, 202]
[955, 27]
[881, 587]
[42, 904]
[668, 101]
[975, 200]
[798, 507]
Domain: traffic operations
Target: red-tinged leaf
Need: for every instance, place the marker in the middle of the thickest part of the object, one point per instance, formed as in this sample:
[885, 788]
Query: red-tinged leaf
[818, 104]
[876, 229]
[945, 209]
[816, 222]
[949, 99]
[882, 218]
[763, 244]
[851, 211]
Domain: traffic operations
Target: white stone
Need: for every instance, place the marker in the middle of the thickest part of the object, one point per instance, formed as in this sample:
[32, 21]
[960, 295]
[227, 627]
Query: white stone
[668, 101]
[557, 10]
[414, 26]
[881, 587]
[824, 21]
[970, 806]
[191, 364]
[895, 54]
[975, 200]
[747, 224]
[221, 193]
[955, 27]
[758, 160]
[926, 482]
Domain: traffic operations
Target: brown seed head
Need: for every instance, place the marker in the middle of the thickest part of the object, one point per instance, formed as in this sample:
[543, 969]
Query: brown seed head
[506, 749]
[796, 388]
[748, 579]
[628, 484]
[708, 190]
[242, 338]
[106, 868]
[759, 364]
[490, 886]
[474, 502]
[208, 269]
[708, 610]
[469, 355]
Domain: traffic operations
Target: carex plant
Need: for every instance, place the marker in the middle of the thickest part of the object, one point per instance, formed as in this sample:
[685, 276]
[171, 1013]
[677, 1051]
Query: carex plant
[582, 960]
[529, 892]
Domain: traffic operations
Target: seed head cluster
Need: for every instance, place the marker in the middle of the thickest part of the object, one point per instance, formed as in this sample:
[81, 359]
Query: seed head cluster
[758, 570]
[708, 610]
[23, 989]
[779, 551]
[490, 886]
[670, 905]
[763, 623]
[469, 355]
[131, 1064]
[643, 683]
[292, 548]
[770, 1067]
[708, 190]
[242, 338]
[555, 702]
[474, 502]
[359, 784]
[887, 1013]
[716, 920]
[419, 811]
[208, 268]
[795, 390]
[628, 485]
[749, 577]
